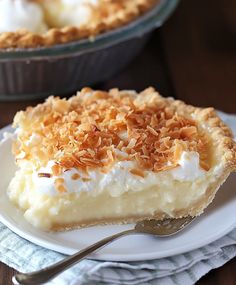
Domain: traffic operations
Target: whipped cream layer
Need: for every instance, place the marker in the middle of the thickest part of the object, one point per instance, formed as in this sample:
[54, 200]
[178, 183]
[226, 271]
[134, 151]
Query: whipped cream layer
[119, 179]
[21, 14]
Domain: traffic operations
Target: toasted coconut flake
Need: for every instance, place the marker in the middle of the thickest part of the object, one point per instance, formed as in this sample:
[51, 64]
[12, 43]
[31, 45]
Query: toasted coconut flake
[44, 175]
[61, 188]
[56, 170]
[137, 172]
[178, 149]
[85, 179]
[59, 181]
[132, 143]
[75, 176]
[152, 131]
[59, 185]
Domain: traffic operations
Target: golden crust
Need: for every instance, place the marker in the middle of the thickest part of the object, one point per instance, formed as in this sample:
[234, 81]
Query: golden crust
[26, 39]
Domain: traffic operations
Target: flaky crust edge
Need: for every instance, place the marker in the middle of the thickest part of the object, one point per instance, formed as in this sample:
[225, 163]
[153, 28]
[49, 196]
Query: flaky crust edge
[25, 39]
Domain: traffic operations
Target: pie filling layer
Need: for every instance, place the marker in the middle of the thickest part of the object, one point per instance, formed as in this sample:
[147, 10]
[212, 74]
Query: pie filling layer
[117, 194]
[117, 156]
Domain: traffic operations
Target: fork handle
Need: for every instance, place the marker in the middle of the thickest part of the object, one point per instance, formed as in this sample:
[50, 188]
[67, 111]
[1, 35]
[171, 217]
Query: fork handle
[48, 273]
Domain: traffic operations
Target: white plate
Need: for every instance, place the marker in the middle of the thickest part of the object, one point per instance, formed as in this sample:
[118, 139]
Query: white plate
[218, 219]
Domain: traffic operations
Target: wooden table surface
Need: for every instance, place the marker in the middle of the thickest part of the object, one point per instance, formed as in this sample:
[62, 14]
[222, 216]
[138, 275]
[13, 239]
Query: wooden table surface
[192, 57]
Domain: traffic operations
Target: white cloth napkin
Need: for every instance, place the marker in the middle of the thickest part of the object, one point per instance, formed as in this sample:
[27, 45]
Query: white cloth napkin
[181, 269]
[176, 270]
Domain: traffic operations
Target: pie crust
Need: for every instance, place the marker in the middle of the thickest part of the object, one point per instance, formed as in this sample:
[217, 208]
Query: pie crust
[120, 12]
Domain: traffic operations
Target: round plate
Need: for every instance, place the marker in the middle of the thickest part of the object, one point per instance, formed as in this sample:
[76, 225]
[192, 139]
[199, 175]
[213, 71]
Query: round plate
[218, 219]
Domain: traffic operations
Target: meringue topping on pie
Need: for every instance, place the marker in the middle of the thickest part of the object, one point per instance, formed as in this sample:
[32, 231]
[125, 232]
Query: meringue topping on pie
[118, 156]
[34, 23]
[21, 14]
[63, 13]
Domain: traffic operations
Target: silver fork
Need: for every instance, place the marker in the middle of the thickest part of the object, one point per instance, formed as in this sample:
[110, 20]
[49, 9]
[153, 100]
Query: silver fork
[163, 228]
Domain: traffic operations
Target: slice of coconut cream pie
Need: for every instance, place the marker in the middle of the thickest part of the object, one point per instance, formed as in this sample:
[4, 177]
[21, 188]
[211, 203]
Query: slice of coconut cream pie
[117, 157]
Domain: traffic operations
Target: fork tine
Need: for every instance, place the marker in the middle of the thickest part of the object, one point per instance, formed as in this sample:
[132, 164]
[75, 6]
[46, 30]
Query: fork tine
[164, 227]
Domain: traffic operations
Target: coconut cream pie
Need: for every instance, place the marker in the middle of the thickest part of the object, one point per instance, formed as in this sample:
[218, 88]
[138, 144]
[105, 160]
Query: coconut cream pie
[117, 157]
[33, 23]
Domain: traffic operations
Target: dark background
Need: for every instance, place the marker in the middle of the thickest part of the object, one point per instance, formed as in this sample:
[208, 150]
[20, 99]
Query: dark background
[193, 58]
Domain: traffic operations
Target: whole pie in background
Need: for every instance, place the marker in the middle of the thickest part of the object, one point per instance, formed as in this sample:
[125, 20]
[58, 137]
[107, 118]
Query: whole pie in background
[34, 23]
